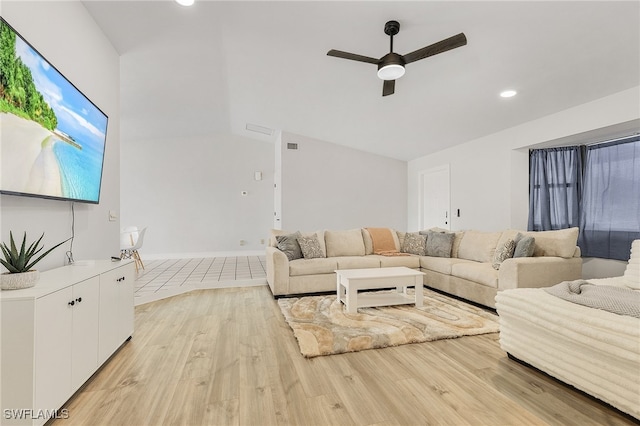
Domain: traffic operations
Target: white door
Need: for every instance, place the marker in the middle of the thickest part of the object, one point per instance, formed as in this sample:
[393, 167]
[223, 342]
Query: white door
[435, 199]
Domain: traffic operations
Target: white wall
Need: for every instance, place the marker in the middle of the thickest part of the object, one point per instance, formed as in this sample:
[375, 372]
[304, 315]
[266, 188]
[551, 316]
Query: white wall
[489, 176]
[329, 186]
[65, 34]
[188, 193]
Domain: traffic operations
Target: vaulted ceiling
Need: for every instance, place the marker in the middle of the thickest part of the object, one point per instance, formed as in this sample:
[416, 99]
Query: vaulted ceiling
[217, 66]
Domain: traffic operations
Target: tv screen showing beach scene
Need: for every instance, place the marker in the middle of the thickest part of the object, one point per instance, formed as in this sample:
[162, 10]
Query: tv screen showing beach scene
[52, 138]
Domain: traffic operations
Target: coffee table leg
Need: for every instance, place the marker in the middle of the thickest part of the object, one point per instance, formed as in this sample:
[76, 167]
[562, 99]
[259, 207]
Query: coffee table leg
[419, 291]
[352, 299]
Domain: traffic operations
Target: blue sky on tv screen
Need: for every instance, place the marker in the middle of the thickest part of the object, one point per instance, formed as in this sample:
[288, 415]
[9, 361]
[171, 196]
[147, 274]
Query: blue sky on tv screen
[77, 116]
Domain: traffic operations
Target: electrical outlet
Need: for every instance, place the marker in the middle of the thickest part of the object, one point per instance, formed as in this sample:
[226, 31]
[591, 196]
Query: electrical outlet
[242, 242]
[113, 216]
[262, 241]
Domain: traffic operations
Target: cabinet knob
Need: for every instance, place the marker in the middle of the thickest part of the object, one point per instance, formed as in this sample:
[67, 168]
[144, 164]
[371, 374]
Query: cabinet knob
[79, 299]
[120, 279]
[72, 303]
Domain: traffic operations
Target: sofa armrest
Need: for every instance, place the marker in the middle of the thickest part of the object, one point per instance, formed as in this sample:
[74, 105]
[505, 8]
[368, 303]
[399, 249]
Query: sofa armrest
[543, 271]
[277, 271]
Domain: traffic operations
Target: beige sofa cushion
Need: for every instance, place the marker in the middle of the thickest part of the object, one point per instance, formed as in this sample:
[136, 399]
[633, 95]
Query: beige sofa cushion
[440, 264]
[412, 262]
[482, 273]
[344, 243]
[560, 243]
[478, 246]
[358, 262]
[321, 265]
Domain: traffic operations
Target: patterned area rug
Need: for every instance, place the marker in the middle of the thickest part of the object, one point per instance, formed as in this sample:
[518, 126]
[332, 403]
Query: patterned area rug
[323, 327]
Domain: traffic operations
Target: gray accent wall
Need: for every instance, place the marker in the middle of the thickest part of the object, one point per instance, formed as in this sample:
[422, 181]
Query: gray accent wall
[330, 186]
[66, 35]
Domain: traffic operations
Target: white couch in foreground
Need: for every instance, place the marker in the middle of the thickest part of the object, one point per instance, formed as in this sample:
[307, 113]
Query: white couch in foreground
[594, 350]
[466, 270]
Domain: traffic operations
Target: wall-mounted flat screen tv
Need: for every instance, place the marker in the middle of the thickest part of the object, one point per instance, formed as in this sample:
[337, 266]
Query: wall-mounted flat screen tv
[52, 137]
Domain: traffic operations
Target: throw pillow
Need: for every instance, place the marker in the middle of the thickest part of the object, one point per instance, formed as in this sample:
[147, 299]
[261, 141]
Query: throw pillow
[288, 244]
[439, 244]
[505, 251]
[414, 243]
[525, 246]
[310, 247]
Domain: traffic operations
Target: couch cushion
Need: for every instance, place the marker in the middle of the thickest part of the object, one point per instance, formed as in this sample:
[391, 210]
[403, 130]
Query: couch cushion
[478, 246]
[525, 245]
[358, 262]
[482, 273]
[310, 247]
[440, 264]
[415, 243]
[320, 234]
[288, 244]
[503, 251]
[455, 248]
[439, 244]
[560, 243]
[324, 265]
[412, 262]
[344, 243]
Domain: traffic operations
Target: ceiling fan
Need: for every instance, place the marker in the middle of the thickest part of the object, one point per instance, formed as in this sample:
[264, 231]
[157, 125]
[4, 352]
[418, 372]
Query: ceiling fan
[391, 65]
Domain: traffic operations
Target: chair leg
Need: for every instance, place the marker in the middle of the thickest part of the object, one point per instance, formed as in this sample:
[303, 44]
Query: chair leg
[138, 260]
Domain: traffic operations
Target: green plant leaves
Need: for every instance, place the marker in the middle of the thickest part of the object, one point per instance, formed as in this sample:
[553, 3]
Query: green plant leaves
[20, 261]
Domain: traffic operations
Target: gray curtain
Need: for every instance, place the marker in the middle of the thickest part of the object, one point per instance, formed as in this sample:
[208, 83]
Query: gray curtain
[555, 187]
[610, 212]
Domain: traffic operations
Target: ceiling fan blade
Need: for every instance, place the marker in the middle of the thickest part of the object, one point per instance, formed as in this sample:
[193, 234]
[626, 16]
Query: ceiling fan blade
[352, 56]
[389, 87]
[439, 47]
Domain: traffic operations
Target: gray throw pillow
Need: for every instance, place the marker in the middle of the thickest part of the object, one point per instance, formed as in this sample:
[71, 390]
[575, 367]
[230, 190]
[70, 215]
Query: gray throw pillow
[310, 247]
[504, 252]
[414, 243]
[288, 244]
[439, 244]
[525, 246]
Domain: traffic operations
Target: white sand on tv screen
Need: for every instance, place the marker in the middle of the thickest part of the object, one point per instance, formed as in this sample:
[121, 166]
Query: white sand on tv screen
[27, 161]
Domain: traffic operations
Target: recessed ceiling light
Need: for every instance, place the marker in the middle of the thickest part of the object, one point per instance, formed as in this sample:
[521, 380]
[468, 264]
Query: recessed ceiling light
[185, 2]
[508, 93]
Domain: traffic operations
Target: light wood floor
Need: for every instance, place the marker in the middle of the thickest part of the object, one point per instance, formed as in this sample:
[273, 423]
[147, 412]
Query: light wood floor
[226, 357]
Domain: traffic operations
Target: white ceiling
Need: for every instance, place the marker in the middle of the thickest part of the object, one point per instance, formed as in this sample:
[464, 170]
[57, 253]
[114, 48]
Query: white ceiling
[216, 66]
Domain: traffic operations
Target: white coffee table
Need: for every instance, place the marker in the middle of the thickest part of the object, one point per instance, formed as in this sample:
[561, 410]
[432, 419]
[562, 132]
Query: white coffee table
[349, 281]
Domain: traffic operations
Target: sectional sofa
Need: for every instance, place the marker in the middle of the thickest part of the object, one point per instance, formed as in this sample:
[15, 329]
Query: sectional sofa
[475, 267]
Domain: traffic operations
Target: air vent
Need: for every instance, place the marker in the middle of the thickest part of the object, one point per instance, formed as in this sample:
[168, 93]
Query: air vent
[292, 146]
[259, 129]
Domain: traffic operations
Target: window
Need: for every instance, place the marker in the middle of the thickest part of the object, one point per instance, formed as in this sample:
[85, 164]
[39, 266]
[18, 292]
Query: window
[555, 185]
[601, 194]
[610, 208]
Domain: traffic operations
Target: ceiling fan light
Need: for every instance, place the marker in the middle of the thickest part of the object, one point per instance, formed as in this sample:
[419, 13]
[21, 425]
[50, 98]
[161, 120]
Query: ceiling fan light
[391, 72]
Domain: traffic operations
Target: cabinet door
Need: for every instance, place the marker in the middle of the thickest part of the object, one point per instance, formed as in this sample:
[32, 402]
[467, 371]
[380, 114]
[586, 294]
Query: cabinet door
[116, 309]
[53, 349]
[85, 331]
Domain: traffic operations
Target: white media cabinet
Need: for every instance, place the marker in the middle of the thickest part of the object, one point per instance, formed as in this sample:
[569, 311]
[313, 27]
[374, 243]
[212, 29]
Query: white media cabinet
[57, 334]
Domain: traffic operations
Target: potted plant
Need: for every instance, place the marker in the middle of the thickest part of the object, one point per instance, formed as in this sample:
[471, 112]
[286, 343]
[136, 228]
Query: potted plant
[19, 263]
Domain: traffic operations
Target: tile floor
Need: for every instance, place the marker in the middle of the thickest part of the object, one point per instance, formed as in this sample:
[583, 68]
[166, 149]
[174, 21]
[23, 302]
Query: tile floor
[169, 277]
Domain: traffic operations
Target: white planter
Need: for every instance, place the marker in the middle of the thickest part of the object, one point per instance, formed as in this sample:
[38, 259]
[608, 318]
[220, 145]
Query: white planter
[17, 281]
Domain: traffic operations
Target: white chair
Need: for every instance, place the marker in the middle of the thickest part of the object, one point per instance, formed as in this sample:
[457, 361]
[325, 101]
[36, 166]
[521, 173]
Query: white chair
[131, 240]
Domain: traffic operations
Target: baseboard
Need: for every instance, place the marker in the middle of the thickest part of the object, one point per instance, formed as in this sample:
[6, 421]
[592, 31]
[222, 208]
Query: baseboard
[201, 255]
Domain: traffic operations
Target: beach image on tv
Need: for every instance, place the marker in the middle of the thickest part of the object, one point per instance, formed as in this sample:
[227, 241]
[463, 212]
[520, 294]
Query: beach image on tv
[52, 138]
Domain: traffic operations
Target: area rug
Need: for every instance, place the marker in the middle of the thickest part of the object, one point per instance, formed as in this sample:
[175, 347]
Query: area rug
[322, 326]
